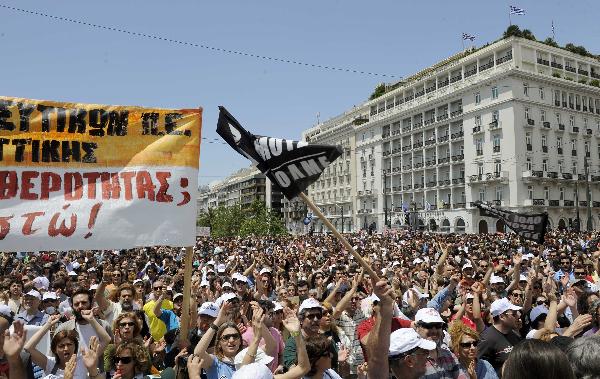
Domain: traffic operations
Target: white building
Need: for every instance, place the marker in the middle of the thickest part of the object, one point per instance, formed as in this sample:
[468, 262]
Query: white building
[511, 123]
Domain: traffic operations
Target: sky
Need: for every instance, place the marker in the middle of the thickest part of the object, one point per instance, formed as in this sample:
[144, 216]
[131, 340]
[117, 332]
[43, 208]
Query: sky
[51, 59]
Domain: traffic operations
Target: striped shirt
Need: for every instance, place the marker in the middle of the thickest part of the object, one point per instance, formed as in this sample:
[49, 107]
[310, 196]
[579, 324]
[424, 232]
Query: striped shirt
[349, 324]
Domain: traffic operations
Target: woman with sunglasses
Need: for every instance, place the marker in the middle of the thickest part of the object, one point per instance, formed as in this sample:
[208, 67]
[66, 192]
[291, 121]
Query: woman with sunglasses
[464, 346]
[130, 361]
[229, 343]
[127, 327]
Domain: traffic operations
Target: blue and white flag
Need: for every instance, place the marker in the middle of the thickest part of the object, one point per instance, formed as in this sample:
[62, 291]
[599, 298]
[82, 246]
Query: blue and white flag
[516, 10]
[468, 36]
[405, 206]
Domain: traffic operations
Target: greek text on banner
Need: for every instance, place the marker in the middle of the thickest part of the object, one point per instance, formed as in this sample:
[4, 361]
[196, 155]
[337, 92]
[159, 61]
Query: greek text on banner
[85, 176]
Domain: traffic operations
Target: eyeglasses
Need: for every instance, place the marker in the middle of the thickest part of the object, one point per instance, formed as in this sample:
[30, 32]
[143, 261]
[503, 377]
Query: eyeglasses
[356, 299]
[516, 294]
[124, 360]
[433, 325]
[124, 324]
[469, 344]
[314, 316]
[541, 302]
[158, 288]
[227, 337]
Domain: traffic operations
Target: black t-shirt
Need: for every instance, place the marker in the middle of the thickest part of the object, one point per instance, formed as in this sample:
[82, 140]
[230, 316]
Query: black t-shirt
[495, 346]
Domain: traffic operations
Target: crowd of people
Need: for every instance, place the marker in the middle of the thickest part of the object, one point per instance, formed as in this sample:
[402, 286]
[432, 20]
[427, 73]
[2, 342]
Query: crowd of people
[441, 306]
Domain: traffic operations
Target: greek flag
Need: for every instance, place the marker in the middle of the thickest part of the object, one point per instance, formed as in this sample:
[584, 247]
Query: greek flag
[516, 10]
[468, 36]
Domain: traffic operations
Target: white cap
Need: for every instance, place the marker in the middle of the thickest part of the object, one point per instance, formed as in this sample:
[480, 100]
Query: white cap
[177, 295]
[278, 307]
[406, 339]
[221, 268]
[309, 304]
[34, 293]
[225, 297]
[395, 263]
[75, 265]
[204, 283]
[92, 269]
[253, 370]
[522, 278]
[210, 263]
[537, 311]
[41, 282]
[94, 287]
[417, 261]
[218, 250]
[227, 284]
[261, 357]
[265, 270]
[5, 310]
[428, 315]
[50, 296]
[496, 279]
[209, 309]
[240, 278]
[418, 293]
[502, 305]
[467, 265]
[72, 273]
[469, 296]
[137, 281]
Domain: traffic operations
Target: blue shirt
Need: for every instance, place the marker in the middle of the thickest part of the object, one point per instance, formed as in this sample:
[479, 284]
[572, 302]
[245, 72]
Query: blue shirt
[170, 319]
[484, 370]
[220, 370]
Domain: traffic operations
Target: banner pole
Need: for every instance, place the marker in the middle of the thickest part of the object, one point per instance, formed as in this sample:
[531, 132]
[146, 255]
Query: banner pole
[187, 285]
[340, 237]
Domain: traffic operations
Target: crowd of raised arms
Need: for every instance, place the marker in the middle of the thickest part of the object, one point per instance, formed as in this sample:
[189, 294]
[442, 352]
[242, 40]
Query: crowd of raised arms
[466, 306]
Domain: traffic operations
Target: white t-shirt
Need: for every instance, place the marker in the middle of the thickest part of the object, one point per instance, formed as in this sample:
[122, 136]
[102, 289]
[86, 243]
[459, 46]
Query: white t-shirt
[85, 333]
[80, 369]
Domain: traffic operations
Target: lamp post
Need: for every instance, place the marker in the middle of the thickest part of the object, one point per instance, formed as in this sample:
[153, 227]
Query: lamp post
[590, 226]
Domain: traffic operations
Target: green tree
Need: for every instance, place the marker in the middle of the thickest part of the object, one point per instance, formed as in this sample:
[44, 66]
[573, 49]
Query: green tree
[526, 33]
[513, 30]
[379, 90]
[550, 42]
[261, 221]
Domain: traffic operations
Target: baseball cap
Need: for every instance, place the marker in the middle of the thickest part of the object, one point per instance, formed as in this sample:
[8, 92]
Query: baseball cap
[466, 266]
[254, 370]
[221, 268]
[496, 279]
[227, 284]
[261, 357]
[309, 303]
[177, 295]
[417, 261]
[265, 270]
[278, 307]
[225, 297]
[137, 281]
[50, 296]
[407, 339]
[537, 311]
[34, 293]
[502, 305]
[204, 283]
[428, 315]
[209, 309]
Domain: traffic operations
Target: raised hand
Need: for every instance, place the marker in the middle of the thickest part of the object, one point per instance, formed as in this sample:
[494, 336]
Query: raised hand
[258, 318]
[517, 259]
[290, 322]
[13, 343]
[224, 312]
[570, 298]
[54, 319]
[343, 354]
[87, 314]
[194, 364]
[90, 355]
[70, 367]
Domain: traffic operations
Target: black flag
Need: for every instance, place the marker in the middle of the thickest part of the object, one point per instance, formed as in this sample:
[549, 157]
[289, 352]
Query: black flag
[529, 226]
[291, 165]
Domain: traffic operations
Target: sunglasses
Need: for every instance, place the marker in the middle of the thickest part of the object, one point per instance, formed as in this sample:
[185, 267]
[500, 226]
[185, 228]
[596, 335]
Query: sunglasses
[469, 301]
[124, 324]
[158, 288]
[124, 360]
[516, 294]
[227, 337]
[541, 302]
[314, 316]
[469, 344]
[433, 325]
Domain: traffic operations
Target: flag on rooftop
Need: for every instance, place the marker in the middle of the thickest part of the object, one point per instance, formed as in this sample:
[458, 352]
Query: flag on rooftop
[516, 10]
[468, 36]
[290, 165]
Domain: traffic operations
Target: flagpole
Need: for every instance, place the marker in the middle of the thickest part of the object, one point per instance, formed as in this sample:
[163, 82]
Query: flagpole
[462, 40]
[187, 285]
[340, 237]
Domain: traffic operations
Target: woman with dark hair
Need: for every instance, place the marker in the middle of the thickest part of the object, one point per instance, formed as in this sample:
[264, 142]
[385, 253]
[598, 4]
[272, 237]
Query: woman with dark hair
[130, 360]
[320, 352]
[229, 343]
[533, 359]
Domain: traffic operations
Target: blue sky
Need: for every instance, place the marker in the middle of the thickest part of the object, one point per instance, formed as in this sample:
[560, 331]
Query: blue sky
[42, 58]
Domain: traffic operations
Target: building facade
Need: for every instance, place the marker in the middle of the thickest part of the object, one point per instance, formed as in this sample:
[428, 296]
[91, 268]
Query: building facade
[241, 189]
[515, 123]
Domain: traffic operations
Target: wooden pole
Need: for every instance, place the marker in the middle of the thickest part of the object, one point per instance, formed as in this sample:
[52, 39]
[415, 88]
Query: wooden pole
[187, 289]
[340, 237]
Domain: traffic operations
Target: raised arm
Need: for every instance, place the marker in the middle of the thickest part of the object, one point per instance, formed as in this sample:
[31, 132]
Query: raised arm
[207, 337]
[516, 271]
[103, 336]
[378, 343]
[157, 310]
[38, 357]
[292, 324]
[99, 297]
[345, 301]
[13, 345]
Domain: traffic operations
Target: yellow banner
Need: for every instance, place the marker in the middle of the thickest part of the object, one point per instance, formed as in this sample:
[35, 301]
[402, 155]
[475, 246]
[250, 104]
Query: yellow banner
[71, 135]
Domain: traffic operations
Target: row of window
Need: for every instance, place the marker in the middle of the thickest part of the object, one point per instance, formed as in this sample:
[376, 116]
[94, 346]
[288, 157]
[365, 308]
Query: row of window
[562, 194]
[559, 120]
[559, 145]
[560, 167]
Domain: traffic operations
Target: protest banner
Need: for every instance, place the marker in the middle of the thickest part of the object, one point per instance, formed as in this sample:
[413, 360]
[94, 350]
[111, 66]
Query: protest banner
[87, 176]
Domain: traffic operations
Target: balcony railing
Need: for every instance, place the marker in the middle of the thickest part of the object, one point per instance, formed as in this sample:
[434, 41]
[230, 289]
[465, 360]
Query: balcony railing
[539, 201]
[595, 178]
[406, 148]
[504, 58]
[537, 174]
[479, 152]
[490, 64]
[443, 160]
[581, 177]
[477, 129]
[471, 72]
[429, 121]
[543, 61]
[567, 175]
[546, 124]
[420, 93]
[545, 149]
[582, 72]
[443, 138]
[568, 203]
[442, 117]
[496, 149]
[457, 112]
[556, 65]
[456, 78]
[552, 174]
[574, 153]
[554, 203]
[595, 204]
[406, 129]
[570, 69]
[458, 157]
[583, 203]
[443, 83]
[430, 89]
[418, 186]
[494, 124]
[460, 205]
[431, 184]
[561, 126]
[457, 135]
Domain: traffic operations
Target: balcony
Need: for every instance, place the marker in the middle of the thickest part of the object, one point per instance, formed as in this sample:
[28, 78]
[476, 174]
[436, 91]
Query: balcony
[596, 204]
[486, 66]
[574, 153]
[443, 116]
[443, 160]
[494, 125]
[430, 89]
[587, 154]
[407, 187]
[560, 150]
[496, 149]
[594, 75]
[589, 132]
[443, 138]
[582, 72]
[475, 178]
[556, 65]
[543, 62]
[477, 129]
[406, 148]
[504, 58]
[409, 98]
[443, 83]
[418, 186]
[418, 165]
[456, 158]
[429, 121]
[431, 184]
[538, 202]
[557, 103]
[458, 181]
[545, 149]
[561, 126]
[568, 203]
[420, 93]
[471, 72]
[385, 135]
[418, 124]
[457, 112]
[530, 122]
[406, 129]
[552, 174]
[430, 142]
[570, 69]
[585, 108]
[457, 135]
[430, 163]
[444, 182]
[546, 124]
[583, 203]
[595, 178]
[460, 205]
[456, 78]
[567, 175]
[581, 177]
[554, 203]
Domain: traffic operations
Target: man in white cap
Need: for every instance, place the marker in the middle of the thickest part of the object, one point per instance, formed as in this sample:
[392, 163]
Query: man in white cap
[32, 315]
[50, 303]
[443, 364]
[408, 353]
[498, 340]
[207, 313]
